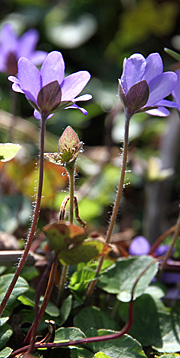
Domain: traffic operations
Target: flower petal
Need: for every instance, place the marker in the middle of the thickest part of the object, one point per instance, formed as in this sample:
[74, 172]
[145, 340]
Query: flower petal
[160, 112]
[27, 43]
[154, 67]
[133, 71]
[37, 114]
[176, 90]
[75, 106]
[74, 84]
[160, 87]
[53, 68]
[29, 79]
[170, 104]
[37, 57]
[9, 39]
[84, 97]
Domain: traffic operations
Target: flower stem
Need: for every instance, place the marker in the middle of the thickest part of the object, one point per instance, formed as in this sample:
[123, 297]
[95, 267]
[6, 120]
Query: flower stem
[44, 304]
[61, 284]
[34, 222]
[116, 204]
[71, 193]
[175, 236]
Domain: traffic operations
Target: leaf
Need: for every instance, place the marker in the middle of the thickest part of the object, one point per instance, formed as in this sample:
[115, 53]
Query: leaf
[124, 347]
[153, 324]
[6, 352]
[8, 151]
[62, 235]
[145, 326]
[20, 287]
[25, 177]
[170, 333]
[121, 278]
[5, 333]
[95, 318]
[68, 334]
[88, 250]
[169, 356]
[101, 355]
[65, 310]
[78, 352]
[173, 54]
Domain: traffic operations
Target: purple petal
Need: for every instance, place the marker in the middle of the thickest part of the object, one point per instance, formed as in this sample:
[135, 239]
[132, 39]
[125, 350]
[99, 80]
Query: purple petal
[133, 71]
[139, 246]
[17, 88]
[37, 115]
[53, 68]
[84, 97]
[154, 67]
[74, 84]
[27, 43]
[160, 112]
[13, 79]
[29, 79]
[75, 106]
[176, 90]
[170, 104]
[160, 87]
[9, 39]
[37, 57]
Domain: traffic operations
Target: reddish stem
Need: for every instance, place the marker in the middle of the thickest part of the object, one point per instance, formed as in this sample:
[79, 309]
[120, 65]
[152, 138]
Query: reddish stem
[33, 329]
[34, 222]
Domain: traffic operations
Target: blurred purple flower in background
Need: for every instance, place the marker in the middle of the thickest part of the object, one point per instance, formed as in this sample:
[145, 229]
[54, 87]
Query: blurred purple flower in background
[48, 90]
[139, 246]
[176, 90]
[13, 47]
[143, 85]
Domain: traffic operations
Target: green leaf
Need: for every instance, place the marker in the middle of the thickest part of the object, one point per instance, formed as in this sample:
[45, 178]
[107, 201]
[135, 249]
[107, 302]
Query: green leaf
[169, 356]
[121, 278]
[95, 318]
[88, 250]
[124, 347]
[170, 332]
[101, 355]
[153, 324]
[68, 334]
[20, 287]
[6, 352]
[8, 151]
[145, 326]
[65, 310]
[63, 235]
[5, 333]
[173, 54]
[78, 352]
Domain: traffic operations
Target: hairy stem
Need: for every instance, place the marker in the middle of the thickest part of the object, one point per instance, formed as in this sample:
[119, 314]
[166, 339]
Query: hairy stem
[116, 204]
[34, 222]
[175, 236]
[71, 193]
[43, 305]
[61, 284]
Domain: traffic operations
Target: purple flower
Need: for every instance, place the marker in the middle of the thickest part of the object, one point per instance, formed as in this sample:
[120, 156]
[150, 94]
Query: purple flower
[12, 48]
[48, 90]
[176, 90]
[139, 246]
[143, 85]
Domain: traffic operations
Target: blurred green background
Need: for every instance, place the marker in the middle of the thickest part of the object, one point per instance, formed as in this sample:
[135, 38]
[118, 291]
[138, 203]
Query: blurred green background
[96, 35]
